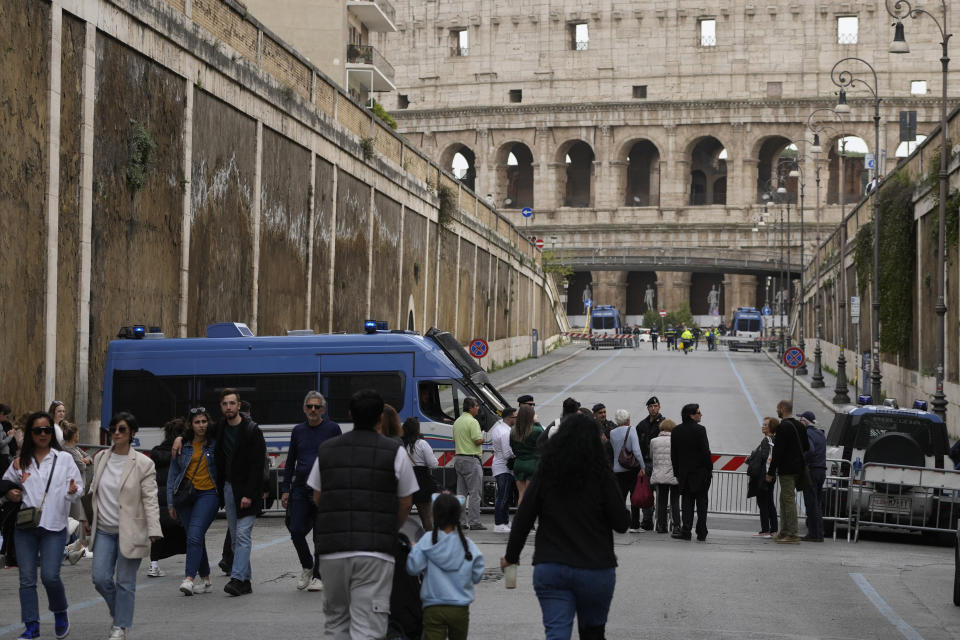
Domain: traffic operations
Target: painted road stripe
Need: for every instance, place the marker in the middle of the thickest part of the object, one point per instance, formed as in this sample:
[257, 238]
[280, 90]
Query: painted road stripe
[86, 604]
[582, 378]
[908, 632]
[753, 405]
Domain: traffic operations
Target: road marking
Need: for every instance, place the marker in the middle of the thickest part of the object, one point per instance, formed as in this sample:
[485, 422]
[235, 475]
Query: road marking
[753, 405]
[86, 604]
[582, 378]
[908, 632]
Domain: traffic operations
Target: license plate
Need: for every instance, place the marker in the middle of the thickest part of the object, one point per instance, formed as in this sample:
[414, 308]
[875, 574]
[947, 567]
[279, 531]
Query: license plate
[884, 502]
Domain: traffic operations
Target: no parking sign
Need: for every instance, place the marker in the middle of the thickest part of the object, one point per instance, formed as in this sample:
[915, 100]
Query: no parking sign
[794, 357]
[479, 348]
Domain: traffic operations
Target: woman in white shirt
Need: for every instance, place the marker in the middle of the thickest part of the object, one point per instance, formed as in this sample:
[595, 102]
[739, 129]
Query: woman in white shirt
[50, 482]
[423, 460]
[126, 519]
[625, 437]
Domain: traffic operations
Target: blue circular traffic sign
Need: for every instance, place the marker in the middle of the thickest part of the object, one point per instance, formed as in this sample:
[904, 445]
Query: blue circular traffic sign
[479, 348]
[794, 358]
[526, 212]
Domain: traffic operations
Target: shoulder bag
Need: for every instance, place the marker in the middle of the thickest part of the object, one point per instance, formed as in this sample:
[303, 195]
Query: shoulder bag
[29, 518]
[186, 493]
[626, 458]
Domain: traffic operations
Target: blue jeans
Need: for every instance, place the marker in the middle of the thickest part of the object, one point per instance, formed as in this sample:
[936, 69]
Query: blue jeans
[49, 545]
[501, 506]
[564, 591]
[241, 530]
[196, 519]
[118, 593]
[300, 514]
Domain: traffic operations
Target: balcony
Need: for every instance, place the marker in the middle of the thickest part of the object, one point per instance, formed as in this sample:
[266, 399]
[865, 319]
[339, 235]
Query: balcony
[378, 15]
[368, 70]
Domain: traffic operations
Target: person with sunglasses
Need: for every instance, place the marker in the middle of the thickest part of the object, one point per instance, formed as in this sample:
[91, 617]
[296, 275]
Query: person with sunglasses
[194, 467]
[48, 481]
[295, 496]
[126, 520]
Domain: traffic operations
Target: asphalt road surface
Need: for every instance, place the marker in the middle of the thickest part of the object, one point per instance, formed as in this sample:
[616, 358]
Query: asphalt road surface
[733, 586]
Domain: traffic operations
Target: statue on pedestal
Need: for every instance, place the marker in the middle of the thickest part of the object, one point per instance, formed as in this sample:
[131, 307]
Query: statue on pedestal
[648, 298]
[713, 300]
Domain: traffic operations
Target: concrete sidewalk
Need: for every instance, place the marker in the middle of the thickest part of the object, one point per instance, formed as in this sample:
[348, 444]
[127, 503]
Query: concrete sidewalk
[526, 369]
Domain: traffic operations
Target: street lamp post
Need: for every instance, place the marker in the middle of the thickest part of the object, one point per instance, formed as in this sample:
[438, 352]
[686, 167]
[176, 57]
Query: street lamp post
[796, 171]
[901, 9]
[841, 393]
[844, 78]
[816, 381]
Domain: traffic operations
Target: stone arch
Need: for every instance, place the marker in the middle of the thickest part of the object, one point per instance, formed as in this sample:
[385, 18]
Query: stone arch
[775, 154]
[641, 174]
[460, 160]
[514, 175]
[575, 180]
[855, 175]
[708, 164]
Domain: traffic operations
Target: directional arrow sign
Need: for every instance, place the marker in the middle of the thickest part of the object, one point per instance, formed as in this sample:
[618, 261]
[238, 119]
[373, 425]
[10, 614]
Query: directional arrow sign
[526, 212]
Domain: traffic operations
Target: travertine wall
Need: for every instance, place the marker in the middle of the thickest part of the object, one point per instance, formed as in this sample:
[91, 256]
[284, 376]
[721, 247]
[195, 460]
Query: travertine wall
[160, 174]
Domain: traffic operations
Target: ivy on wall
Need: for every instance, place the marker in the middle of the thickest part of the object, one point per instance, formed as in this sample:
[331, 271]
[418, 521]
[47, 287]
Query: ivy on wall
[863, 258]
[897, 263]
[931, 181]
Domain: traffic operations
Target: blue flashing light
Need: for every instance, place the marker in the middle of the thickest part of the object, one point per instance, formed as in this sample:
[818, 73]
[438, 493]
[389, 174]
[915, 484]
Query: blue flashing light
[139, 331]
[864, 399]
[920, 404]
[370, 326]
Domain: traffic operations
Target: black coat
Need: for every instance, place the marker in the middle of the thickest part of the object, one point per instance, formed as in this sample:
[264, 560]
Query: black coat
[691, 457]
[789, 443]
[757, 469]
[246, 475]
[647, 430]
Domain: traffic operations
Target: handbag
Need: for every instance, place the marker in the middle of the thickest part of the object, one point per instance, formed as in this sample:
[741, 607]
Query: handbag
[642, 496]
[29, 518]
[186, 493]
[626, 458]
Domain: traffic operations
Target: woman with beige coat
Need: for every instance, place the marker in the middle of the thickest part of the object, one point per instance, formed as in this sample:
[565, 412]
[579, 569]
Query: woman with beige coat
[126, 519]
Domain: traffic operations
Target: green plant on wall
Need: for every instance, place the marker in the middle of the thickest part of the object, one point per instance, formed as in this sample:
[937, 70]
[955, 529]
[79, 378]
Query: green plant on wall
[381, 113]
[863, 257]
[367, 148]
[554, 266]
[897, 263]
[930, 182]
[448, 206]
[140, 156]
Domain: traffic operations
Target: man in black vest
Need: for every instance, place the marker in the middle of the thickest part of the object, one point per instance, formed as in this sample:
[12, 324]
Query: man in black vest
[363, 484]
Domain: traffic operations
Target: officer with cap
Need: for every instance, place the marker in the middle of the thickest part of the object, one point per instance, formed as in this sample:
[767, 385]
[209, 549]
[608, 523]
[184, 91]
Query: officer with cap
[647, 430]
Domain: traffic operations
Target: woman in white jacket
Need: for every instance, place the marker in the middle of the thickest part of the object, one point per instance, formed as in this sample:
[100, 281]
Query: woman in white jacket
[662, 479]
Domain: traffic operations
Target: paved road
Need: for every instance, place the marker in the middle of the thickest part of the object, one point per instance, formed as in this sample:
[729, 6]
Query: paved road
[735, 390]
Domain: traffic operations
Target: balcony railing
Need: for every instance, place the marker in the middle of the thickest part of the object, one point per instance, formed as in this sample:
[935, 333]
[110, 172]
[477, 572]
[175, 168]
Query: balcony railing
[385, 7]
[367, 54]
[459, 52]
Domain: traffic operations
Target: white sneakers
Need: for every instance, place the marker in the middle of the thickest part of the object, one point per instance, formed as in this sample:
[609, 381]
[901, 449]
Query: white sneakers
[190, 587]
[501, 528]
[186, 587]
[304, 581]
[155, 572]
[315, 585]
[118, 633]
[75, 551]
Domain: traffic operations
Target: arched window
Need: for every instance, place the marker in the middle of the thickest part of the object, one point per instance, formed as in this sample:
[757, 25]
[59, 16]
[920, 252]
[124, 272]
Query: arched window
[708, 164]
[463, 167]
[515, 176]
[643, 175]
[775, 161]
[578, 161]
[855, 175]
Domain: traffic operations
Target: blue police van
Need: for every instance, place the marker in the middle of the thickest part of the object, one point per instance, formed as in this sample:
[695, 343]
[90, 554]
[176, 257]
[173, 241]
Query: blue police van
[606, 326]
[746, 330]
[426, 376]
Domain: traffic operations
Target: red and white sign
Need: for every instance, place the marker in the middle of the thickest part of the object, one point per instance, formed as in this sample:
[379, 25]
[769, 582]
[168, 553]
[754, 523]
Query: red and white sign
[539, 243]
[663, 313]
[479, 348]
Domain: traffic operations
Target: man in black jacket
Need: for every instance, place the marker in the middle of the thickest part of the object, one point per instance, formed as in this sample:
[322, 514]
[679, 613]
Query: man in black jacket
[363, 485]
[789, 444]
[693, 467]
[239, 460]
[647, 430]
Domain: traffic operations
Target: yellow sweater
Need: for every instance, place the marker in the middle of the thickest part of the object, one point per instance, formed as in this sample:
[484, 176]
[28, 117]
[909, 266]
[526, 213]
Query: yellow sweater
[198, 472]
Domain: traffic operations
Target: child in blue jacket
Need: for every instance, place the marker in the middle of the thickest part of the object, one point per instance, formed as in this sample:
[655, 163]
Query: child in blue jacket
[451, 565]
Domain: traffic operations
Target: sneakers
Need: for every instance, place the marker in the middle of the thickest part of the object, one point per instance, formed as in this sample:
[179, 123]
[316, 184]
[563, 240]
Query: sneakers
[477, 526]
[61, 624]
[633, 530]
[305, 576]
[186, 587]
[225, 566]
[788, 539]
[237, 587]
[646, 525]
[315, 585]
[762, 534]
[31, 631]
[501, 528]
[155, 572]
[73, 556]
[202, 586]
[118, 633]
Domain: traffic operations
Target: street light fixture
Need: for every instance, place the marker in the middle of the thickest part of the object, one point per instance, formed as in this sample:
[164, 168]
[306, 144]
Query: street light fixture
[845, 78]
[902, 9]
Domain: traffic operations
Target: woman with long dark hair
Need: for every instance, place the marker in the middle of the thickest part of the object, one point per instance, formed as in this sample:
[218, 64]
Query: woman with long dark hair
[423, 460]
[523, 441]
[49, 482]
[577, 503]
[195, 465]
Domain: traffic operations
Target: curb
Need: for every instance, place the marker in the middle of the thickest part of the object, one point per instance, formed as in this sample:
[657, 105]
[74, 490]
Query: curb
[538, 371]
[803, 383]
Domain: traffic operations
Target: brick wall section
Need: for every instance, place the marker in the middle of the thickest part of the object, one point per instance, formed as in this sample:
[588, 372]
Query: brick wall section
[325, 96]
[278, 62]
[387, 145]
[179, 5]
[223, 22]
[353, 118]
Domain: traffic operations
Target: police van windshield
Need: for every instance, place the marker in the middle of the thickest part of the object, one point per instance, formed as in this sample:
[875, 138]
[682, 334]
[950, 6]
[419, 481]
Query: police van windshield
[604, 322]
[748, 324]
[441, 401]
